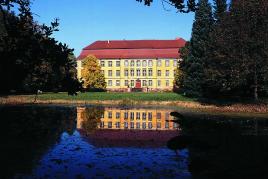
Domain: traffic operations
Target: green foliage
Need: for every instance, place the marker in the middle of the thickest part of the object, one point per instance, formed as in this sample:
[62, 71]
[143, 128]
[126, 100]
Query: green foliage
[91, 74]
[238, 58]
[192, 65]
[91, 118]
[181, 5]
[30, 58]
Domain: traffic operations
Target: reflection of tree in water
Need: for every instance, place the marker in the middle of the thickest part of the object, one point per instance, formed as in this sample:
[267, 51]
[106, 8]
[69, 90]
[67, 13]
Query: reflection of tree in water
[224, 147]
[28, 133]
[91, 118]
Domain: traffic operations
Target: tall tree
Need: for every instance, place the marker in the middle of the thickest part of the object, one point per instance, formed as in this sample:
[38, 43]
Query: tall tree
[91, 74]
[238, 62]
[220, 7]
[192, 65]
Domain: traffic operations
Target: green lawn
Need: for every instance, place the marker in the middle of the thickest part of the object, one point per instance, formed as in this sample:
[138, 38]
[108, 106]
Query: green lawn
[138, 96]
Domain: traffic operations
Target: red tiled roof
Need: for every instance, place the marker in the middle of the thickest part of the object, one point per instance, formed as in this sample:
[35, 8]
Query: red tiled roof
[137, 49]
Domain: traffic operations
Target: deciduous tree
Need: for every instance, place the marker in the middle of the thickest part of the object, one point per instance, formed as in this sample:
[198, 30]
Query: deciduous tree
[91, 74]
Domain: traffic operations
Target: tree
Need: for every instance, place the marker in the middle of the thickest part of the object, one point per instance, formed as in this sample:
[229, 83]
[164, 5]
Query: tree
[182, 6]
[92, 76]
[30, 58]
[192, 65]
[237, 65]
[220, 7]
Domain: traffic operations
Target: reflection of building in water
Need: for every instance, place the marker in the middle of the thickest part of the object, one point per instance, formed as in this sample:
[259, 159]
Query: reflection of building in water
[140, 119]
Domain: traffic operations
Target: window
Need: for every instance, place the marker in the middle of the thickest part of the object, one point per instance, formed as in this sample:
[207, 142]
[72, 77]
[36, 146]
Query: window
[167, 72]
[110, 73]
[158, 72]
[158, 125]
[118, 63]
[110, 83]
[150, 63]
[159, 64]
[150, 83]
[144, 116]
[144, 63]
[102, 63]
[117, 82]
[125, 125]
[150, 72]
[158, 82]
[117, 125]
[117, 72]
[132, 125]
[102, 124]
[126, 82]
[138, 125]
[167, 116]
[167, 82]
[110, 63]
[167, 125]
[167, 63]
[138, 116]
[126, 115]
[138, 72]
[110, 124]
[144, 72]
[117, 115]
[126, 63]
[144, 83]
[158, 115]
[131, 72]
[138, 63]
[126, 72]
[131, 115]
[144, 125]
[150, 116]
[110, 115]
[175, 63]
[132, 82]
[132, 63]
[150, 125]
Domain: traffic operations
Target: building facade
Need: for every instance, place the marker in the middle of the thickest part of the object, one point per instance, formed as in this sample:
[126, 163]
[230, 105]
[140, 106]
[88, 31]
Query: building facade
[148, 65]
[131, 119]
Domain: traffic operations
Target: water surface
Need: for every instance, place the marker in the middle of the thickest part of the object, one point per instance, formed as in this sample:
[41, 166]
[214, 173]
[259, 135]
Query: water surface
[114, 142]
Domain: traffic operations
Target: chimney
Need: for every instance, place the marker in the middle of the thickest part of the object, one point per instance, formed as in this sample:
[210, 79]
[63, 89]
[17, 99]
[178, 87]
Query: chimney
[108, 41]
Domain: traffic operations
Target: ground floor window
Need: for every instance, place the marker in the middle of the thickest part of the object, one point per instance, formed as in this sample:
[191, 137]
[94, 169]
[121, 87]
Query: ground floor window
[126, 82]
[158, 82]
[167, 82]
[132, 82]
[150, 83]
[117, 82]
[110, 83]
[144, 83]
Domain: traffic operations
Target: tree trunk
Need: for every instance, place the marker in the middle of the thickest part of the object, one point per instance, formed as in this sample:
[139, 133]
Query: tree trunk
[255, 84]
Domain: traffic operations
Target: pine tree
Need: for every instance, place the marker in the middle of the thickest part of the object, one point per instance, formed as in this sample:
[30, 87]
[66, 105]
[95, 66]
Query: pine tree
[193, 63]
[220, 7]
[91, 74]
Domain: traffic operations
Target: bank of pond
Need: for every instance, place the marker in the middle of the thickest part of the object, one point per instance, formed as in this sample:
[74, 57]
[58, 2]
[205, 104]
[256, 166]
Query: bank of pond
[112, 141]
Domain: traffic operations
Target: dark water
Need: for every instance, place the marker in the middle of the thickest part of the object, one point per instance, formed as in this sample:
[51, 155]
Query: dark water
[105, 142]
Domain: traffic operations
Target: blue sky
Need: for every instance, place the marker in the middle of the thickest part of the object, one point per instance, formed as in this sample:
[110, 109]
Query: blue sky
[85, 21]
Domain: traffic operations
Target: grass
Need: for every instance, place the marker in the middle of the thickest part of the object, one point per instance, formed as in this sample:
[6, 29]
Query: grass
[168, 96]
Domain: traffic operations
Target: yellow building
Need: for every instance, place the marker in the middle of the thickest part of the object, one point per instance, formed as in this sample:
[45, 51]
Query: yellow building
[147, 65]
[130, 119]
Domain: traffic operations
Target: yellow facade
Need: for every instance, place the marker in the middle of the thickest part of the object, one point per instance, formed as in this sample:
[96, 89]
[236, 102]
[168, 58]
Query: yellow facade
[133, 119]
[121, 74]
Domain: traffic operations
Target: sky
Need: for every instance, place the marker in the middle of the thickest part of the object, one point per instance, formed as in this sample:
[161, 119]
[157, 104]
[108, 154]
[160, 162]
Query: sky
[84, 21]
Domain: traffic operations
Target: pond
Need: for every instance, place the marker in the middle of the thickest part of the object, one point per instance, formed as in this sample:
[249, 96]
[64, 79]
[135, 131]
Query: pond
[124, 142]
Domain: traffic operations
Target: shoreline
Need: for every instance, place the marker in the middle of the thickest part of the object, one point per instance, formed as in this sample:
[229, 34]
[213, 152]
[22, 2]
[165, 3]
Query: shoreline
[191, 105]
